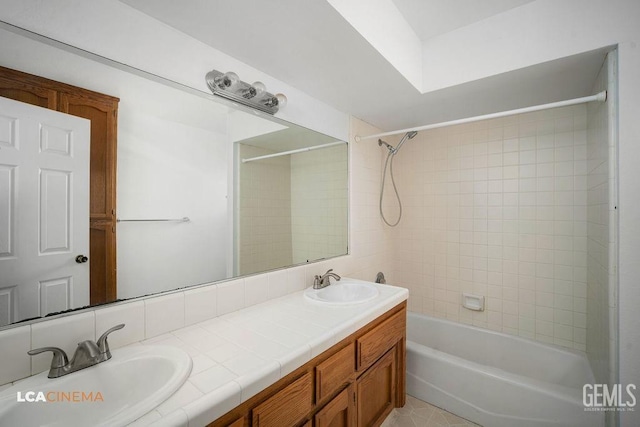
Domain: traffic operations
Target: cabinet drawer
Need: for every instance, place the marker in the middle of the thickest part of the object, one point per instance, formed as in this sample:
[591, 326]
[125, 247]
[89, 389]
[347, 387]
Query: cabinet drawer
[335, 372]
[377, 341]
[288, 406]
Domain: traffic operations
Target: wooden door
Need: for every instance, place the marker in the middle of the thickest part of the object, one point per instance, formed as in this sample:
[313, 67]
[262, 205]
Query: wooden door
[44, 211]
[102, 111]
[339, 412]
[376, 391]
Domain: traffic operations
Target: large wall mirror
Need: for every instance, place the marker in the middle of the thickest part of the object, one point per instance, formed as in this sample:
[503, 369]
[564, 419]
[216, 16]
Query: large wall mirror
[206, 190]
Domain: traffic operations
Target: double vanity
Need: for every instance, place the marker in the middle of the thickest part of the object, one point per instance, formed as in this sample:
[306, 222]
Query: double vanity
[319, 357]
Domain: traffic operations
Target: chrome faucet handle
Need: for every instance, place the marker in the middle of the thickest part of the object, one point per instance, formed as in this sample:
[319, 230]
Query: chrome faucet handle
[102, 343]
[60, 359]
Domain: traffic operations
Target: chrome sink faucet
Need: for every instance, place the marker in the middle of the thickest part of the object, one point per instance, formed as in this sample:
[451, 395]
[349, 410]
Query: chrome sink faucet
[88, 353]
[323, 281]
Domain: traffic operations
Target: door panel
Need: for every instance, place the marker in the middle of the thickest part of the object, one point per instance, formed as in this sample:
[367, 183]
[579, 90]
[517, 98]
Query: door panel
[44, 220]
[55, 211]
[376, 391]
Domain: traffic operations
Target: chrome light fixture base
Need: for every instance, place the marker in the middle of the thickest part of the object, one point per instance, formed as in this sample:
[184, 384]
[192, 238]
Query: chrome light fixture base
[229, 86]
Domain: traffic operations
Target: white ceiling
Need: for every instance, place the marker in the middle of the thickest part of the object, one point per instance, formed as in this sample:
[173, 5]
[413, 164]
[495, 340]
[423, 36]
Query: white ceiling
[430, 18]
[309, 45]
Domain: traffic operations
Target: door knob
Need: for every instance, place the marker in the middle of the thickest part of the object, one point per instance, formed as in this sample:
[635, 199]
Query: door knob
[81, 259]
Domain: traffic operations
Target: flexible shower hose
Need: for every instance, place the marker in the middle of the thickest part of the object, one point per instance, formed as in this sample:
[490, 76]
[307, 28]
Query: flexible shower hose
[390, 155]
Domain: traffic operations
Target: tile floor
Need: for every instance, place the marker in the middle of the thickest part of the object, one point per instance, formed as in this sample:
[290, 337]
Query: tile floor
[417, 413]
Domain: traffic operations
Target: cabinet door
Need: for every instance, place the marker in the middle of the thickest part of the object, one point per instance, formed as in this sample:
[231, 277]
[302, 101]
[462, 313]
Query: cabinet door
[376, 391]
[339, 412]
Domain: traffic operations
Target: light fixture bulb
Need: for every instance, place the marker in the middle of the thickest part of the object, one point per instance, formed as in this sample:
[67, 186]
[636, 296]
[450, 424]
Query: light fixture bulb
[282, 100]
[230, 78]
[259, 87]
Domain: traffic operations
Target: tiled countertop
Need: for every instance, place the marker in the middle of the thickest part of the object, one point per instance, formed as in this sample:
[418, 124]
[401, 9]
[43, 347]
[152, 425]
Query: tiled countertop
[237, 355]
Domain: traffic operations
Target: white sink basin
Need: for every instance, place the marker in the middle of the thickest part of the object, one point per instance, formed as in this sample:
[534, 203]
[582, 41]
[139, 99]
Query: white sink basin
[343, 292]
[133, 382]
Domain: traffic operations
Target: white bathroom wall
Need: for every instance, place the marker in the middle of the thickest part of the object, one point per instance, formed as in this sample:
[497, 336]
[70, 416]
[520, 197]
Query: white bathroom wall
[319, 202]
[628, 267]
[498, 208]
[602, 305]
[536, 32]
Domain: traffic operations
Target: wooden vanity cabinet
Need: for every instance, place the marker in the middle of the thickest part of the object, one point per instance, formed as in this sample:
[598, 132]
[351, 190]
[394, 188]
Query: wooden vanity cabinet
[357, 382]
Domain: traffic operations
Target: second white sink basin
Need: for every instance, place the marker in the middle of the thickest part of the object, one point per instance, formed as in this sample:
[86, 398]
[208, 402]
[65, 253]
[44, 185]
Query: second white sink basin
[133, 382]
[343, 292]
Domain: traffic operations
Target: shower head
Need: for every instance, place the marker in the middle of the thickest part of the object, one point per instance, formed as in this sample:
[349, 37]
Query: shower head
[408, 135]
[389, 147]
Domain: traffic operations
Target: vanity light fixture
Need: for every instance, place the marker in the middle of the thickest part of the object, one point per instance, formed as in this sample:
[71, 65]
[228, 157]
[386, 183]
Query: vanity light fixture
[255, 95]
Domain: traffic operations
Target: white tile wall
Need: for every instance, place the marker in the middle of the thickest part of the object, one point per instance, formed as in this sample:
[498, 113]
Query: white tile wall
[164, 314]
[13, 353]
[319, 196]
[131, 314]
[256, 289]
[65, 333]
[231, 295]
[277, 284]
[200, 304]
[292, 208]
[497, 208]
[265, 211]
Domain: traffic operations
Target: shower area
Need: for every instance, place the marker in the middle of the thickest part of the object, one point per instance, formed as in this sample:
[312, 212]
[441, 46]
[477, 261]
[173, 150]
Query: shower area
[519, 211]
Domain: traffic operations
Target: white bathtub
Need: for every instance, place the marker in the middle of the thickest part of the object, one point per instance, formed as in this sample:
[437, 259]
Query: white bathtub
[494, 379]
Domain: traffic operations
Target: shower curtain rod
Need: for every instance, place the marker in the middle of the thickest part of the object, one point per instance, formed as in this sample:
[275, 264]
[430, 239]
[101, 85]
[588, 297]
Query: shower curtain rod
[601, 97]
[299, 150]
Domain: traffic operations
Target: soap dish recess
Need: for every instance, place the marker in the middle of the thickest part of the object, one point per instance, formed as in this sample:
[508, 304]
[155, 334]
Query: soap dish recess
[473, 302]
